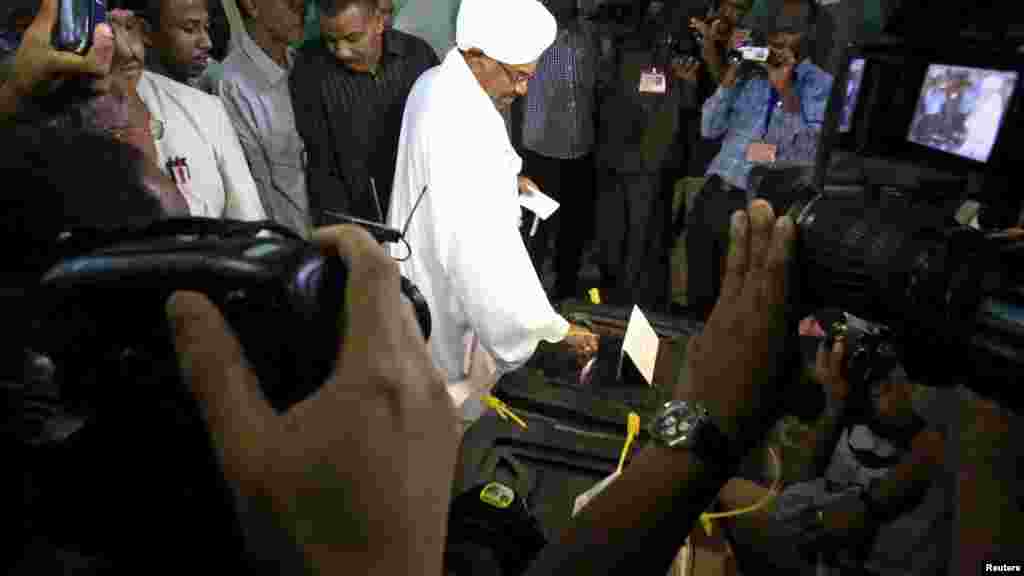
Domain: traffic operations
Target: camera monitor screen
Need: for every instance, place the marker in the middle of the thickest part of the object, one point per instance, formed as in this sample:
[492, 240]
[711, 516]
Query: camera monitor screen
[961, 110]
[853, 82]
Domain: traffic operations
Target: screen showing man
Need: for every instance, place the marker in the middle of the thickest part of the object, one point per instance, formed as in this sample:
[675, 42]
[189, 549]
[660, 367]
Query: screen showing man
[853, 82]
[961, 110]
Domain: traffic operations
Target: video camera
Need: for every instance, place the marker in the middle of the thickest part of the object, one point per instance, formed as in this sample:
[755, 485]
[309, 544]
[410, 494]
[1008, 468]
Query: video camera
[950, 296]
[102, 304]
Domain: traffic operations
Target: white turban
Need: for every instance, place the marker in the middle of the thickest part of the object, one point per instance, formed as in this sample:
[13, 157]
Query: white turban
[513, 32]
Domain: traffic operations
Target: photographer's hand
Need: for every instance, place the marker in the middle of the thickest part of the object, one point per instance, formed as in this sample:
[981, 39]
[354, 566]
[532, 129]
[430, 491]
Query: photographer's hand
[686, 72]
[634, 524]
[37, 63]
[360, 473]
[730, 76]
[740, 389]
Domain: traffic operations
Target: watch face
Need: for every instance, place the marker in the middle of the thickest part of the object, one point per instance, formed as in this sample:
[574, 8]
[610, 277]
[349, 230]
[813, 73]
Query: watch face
[676, 425]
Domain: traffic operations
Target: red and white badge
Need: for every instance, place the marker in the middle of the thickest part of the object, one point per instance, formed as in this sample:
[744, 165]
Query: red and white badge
[652, 82]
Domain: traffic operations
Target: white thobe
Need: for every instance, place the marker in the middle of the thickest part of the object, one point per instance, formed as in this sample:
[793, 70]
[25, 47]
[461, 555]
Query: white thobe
[468, 257]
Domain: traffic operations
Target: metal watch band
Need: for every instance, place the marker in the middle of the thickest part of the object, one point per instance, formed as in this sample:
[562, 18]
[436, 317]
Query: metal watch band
[688, 425]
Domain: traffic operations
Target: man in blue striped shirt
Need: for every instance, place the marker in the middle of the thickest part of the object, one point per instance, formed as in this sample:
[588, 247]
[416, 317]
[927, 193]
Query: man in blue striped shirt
[558, 139]
[771, 117]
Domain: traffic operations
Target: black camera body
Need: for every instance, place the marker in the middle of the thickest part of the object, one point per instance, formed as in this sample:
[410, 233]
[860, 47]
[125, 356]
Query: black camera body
[103, 305]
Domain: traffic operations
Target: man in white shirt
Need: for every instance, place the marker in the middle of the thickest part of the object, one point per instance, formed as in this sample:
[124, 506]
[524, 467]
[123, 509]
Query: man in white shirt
[468, 257]
[185, 132]
[255, 92]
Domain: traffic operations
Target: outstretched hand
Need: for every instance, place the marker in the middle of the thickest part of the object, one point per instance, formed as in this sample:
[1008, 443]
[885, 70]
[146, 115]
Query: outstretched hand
[733, 363]
[37, 63]
[364, 466]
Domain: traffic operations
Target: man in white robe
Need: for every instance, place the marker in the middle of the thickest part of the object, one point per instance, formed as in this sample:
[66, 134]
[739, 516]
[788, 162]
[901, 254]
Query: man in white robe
[468, 257]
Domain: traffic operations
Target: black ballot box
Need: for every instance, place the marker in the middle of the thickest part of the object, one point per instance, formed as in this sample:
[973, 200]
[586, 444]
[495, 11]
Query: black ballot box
[613, 379]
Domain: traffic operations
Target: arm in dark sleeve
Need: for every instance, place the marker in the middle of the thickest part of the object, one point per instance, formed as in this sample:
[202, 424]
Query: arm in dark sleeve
[311, 122]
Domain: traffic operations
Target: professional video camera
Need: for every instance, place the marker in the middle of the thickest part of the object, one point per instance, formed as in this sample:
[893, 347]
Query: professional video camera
[950, 296]
[103, 302]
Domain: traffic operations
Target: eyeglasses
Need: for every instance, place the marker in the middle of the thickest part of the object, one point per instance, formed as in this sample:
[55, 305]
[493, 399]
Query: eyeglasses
[516, 77]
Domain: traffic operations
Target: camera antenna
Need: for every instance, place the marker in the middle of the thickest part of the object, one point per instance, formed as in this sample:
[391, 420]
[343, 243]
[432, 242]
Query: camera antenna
[414, 207]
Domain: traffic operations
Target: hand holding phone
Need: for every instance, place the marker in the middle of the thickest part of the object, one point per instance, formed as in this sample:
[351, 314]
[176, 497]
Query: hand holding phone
[76, 23]
[38, 62]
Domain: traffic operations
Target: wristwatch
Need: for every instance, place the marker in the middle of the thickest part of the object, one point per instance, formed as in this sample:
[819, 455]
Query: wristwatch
[688, 426]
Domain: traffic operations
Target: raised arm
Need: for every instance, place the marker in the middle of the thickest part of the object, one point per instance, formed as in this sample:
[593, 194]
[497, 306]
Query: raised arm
[637, 525]
[37, 63]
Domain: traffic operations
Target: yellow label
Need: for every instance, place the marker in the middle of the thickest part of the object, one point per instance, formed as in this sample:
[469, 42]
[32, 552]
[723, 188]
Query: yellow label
[497, 495]
[595, 296]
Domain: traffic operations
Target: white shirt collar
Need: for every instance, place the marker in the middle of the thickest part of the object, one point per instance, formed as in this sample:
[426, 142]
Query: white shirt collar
[272, 70]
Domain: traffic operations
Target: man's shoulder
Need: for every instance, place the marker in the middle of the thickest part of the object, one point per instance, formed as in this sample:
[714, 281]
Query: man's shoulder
[414, 46]
[234, 63]
[195, 102]
[177, 90]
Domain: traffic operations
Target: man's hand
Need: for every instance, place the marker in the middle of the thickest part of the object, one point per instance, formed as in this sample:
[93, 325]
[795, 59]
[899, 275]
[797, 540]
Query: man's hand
[37, 63]
[717, 30]
[730, 75]
[828, 371]
[780, 67]
[583, 343]
[527, 186]
[686, 71]
[360, 473]
[732, 363]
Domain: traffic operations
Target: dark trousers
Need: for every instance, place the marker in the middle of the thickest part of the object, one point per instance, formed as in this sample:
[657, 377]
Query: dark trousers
[707, 235]
[571, 183]
[634, 213]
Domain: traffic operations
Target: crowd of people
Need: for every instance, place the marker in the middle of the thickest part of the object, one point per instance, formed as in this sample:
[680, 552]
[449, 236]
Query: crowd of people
[370, 122]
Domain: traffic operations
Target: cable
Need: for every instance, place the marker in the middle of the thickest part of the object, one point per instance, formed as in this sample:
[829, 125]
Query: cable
[773, 492]
[408, 250]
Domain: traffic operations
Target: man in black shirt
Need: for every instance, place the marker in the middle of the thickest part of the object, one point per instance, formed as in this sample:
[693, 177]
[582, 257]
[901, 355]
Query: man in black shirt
[349, 92]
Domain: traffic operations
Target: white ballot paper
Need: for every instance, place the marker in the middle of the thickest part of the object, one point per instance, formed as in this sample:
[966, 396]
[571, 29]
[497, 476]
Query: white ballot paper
[539, 203]
[641, 345]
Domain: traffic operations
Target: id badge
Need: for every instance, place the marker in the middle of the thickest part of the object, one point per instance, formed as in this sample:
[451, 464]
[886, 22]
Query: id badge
[652, 82]
[761, 153]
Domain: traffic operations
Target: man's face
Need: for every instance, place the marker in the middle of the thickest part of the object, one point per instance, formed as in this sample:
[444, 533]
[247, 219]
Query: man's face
[387, 12]
[129, 51]
[284, 20]
[182, 39]
[355, 36]
[502, 82]
[782, 41]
